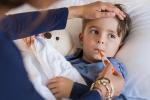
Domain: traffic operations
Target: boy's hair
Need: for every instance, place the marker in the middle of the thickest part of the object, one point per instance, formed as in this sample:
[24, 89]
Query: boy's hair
[123, 25]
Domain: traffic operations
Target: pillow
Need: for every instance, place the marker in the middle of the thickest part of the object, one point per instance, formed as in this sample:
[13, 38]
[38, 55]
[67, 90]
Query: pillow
[135, 53]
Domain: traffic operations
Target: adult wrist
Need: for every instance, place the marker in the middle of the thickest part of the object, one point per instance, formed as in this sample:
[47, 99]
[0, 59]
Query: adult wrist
[99, 88]
[105, 87]
[75, 12]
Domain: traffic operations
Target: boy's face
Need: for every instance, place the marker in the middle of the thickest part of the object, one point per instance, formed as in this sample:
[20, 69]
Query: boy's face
[100, 34]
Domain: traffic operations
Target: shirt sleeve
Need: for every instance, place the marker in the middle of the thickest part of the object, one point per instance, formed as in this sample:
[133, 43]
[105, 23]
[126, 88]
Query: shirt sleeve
[82, 92]
[78, 90]
[120, 67]
[31, 23]
[123, 70]
[91, 95]
[15, 83]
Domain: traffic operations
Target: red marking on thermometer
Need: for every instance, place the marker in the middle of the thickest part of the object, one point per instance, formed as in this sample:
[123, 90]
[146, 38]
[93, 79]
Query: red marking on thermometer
[106, 63]
[114, 72]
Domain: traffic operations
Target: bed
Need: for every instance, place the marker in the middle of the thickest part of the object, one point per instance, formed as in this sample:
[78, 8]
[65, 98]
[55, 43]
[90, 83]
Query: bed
[135, 53]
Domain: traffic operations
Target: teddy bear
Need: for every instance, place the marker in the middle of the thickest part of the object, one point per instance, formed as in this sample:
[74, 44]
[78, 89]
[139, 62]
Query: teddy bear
[44, 59]
[61, 40]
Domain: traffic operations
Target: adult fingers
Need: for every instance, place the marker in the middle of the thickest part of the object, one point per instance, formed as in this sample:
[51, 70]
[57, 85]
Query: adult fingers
[111, 8]
[117, 11]
[29, 40]
[105, 72]
[104, 14]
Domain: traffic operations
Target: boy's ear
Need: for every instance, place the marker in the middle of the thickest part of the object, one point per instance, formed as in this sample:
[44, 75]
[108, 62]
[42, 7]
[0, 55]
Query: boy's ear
[81, 38]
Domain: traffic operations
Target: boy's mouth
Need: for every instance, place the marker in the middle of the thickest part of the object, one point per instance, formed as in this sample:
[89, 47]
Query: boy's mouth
[98, 50]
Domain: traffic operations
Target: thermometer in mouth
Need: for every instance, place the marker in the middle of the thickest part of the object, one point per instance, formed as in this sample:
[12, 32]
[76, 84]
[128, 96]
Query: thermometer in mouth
[107, 63]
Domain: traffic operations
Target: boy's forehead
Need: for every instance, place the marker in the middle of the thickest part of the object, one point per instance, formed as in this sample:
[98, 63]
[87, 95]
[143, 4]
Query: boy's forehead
[107, 19]
[110, 22]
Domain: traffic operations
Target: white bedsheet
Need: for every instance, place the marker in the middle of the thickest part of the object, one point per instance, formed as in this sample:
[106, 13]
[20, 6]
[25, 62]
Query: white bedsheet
[43, 62]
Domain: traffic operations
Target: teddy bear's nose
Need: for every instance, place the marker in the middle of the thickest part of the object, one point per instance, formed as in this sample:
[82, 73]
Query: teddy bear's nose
[57, 38]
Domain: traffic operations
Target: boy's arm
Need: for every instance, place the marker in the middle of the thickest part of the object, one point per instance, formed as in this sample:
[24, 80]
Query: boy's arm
[31, 23]
[78, 90]
[63, 87]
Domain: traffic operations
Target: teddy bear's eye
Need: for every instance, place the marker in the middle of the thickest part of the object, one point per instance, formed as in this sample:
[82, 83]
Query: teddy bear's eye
[48, 35]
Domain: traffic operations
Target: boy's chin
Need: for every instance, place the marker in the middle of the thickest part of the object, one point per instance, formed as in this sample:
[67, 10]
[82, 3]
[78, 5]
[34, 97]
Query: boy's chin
[96, 57]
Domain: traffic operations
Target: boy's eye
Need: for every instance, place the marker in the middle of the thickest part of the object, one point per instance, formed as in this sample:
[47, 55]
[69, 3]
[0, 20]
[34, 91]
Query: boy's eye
[112, 36]
[93, 31]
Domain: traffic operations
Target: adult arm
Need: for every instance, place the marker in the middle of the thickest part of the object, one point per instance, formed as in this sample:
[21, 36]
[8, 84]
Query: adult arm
[91, 95]
[78, 90]
[82, 92]
[31, 23]
[15, 84]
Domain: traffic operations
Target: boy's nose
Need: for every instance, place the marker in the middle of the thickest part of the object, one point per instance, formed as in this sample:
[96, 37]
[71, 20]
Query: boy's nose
[100, 42]
[101, 38]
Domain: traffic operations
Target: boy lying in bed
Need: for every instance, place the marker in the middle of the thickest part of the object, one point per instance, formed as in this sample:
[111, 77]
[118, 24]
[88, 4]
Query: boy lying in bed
[104, 35]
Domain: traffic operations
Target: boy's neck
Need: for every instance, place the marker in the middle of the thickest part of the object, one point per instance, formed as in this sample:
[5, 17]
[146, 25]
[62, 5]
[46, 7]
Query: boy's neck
[89, 60]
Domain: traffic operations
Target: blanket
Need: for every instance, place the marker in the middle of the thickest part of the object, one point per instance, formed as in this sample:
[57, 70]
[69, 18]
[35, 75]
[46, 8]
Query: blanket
[42, 62]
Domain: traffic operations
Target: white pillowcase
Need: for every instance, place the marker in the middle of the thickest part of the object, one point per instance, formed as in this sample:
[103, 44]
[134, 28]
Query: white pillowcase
[135, 53]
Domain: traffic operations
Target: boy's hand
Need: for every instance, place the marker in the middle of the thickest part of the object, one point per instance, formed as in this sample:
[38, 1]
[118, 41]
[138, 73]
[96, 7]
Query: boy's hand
[60, 87]
[95, 10]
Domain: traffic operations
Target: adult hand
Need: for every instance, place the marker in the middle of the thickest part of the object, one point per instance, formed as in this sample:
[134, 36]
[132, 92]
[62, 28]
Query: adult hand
[95, 10]
[29, 40]
[60, 87]
[115, 78]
